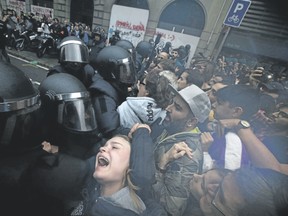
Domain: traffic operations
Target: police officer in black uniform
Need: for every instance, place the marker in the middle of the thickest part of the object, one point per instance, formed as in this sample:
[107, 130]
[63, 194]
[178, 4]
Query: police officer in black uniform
[69, 120]
[74, 59]
[128, 45]
[19, 106]
[115, 74]
[98, 42]
[143, 50]
[20, 141]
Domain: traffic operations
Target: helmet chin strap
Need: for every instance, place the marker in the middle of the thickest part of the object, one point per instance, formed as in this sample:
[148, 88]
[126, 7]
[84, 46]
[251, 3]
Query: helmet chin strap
[8, 130]
[74, 67]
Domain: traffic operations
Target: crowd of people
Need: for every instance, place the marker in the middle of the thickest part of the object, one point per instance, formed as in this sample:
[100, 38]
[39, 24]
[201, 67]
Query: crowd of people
[34, 23]
[124, 130]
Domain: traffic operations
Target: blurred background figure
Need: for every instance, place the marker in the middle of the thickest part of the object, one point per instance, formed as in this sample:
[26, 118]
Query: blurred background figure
[3, 34]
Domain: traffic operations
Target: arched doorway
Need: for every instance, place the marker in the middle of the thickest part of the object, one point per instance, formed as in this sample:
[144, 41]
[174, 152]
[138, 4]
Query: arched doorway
[82, 11]
[181, 23]
[183, 16]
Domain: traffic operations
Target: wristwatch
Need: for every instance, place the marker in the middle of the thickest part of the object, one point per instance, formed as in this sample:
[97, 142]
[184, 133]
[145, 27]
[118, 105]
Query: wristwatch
[242, 125]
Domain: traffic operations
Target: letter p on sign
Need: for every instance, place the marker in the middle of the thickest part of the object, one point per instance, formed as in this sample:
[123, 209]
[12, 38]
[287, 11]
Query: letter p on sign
[238, 7]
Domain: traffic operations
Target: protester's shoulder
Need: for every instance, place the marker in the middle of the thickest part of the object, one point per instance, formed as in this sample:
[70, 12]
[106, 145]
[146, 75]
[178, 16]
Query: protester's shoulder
[191, 139]
[141, 101]
[188, 136]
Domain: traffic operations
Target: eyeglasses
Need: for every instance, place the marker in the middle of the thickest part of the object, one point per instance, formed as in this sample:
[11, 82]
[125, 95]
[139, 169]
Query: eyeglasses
[214, 203]
[142, 83]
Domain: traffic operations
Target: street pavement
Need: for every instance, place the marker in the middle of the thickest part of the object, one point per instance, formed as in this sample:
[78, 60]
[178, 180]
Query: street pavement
[47, 60]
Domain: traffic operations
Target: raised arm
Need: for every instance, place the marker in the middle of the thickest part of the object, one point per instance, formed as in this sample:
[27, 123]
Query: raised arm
[177, 161]
[142, 160]
[259, 154]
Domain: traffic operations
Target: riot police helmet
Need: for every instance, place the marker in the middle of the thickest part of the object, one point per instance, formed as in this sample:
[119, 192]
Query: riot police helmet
[71, 100]
[126, 44]
[114, 63]
[98, 33]
[144, 48]
[19, 103]
[73, 49]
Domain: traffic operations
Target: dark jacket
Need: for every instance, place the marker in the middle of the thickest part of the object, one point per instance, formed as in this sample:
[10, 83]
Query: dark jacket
[17, 196]
[105, 99]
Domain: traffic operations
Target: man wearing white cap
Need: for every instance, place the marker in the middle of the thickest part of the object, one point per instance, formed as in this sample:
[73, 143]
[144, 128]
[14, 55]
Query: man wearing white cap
[178, 152]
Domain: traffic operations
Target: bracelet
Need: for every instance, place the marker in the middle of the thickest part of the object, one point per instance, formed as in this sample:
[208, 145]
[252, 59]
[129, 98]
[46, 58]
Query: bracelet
[161, 170]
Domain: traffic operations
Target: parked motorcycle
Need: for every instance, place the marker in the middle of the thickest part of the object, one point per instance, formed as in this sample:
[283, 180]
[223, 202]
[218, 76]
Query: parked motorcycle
[49, 43]
[11, 38]
[27, 40]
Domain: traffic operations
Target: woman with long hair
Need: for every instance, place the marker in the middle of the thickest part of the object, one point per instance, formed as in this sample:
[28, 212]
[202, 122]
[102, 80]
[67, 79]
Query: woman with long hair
[116, 181]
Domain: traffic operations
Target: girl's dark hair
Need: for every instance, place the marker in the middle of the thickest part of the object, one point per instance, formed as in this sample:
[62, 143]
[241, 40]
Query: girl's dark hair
[158, 89]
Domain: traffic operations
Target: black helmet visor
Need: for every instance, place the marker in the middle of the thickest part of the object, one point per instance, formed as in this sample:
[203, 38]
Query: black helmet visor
[74, 51]
[127, 71]
[77, 114]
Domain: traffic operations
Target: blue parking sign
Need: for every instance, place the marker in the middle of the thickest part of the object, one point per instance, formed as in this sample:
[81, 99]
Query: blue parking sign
[237, 12]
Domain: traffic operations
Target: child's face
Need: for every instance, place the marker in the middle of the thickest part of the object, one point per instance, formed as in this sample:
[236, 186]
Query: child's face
[223, 110]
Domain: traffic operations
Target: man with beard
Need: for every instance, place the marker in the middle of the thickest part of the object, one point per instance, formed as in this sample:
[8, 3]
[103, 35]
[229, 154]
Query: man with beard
[178, 152]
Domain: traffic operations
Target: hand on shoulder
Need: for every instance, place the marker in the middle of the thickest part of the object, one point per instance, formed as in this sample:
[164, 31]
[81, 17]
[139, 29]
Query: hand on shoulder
[137, 126]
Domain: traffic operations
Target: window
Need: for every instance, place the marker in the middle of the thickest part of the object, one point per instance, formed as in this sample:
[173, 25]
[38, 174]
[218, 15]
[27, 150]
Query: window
[142, 4]
[42, 3]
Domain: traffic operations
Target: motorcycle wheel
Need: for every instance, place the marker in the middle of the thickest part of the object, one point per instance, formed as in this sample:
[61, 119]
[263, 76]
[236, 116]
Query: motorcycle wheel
[40, 52]
[19, 45]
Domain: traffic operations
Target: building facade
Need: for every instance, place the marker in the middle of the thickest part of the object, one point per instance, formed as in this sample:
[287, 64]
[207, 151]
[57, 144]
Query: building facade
[199, 23]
